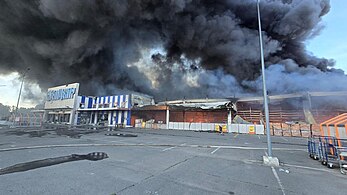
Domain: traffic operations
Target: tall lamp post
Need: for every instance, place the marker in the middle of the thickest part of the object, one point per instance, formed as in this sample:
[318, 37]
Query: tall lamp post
[20, 90]
[269, 160]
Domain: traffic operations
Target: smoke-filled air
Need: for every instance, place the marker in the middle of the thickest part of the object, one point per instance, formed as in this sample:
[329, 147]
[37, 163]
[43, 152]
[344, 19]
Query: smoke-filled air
[166, 48]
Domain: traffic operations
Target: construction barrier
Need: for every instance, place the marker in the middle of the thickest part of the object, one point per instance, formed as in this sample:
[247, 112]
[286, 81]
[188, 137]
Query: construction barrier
[218, 127]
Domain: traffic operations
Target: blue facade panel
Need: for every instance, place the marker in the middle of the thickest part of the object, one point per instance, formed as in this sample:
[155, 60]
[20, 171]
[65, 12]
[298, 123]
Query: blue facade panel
[129, 118]
[90, 102]
[117, 107]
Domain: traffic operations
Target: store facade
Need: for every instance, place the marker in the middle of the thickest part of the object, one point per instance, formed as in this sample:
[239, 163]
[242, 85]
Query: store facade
[64, 106]
[61, 104]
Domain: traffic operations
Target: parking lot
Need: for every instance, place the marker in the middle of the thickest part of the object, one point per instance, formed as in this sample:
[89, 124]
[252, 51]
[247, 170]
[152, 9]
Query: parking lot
[161, 162]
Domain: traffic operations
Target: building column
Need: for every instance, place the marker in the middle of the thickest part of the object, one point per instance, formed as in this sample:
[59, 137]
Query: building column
[229, 120]
[72, 117]
[167, 117]
[95, 118]
[75, 117]
[109, 118]
[90, 118]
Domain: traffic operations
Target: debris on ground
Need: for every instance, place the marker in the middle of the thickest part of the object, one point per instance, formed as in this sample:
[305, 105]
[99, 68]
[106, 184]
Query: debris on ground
[121, 134]
[284, 170]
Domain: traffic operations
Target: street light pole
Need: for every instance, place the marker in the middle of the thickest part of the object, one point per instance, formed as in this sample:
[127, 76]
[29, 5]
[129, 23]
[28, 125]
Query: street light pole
[266, 107]
[20, 90]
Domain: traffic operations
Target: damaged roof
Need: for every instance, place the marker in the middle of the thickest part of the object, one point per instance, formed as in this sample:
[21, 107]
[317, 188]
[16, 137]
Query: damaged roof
[194, 104]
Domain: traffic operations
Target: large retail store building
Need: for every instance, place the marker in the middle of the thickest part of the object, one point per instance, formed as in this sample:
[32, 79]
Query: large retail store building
[64, 105]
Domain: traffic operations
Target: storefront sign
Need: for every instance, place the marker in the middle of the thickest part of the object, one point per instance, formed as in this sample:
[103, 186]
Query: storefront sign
[61, 94]
[62, 97]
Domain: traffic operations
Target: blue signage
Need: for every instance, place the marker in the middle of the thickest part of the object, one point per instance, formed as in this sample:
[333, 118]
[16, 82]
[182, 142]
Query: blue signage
[61, 94]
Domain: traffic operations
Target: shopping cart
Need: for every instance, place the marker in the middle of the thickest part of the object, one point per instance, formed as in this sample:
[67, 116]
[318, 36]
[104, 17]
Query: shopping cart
[328, 150]
[341, 150]
[313, 145]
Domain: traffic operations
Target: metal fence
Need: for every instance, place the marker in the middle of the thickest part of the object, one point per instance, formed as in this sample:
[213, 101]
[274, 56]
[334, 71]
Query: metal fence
[27, 120]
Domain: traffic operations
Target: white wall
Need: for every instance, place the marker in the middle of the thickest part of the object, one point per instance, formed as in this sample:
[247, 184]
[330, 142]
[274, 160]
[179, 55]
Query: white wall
[233, 128]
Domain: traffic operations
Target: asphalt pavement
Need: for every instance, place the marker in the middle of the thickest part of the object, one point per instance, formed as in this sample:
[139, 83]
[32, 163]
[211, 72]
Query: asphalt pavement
[160, 162]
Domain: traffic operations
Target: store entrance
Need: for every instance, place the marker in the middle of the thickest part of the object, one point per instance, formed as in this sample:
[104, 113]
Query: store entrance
[103, 118]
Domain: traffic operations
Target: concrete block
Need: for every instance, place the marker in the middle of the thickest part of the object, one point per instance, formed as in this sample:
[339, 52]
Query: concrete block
[211, 126]
[271, 161]
[186, 126]
[259, 129]
[171, 125]
[176, 125]
[243, 128]
[198, 126]
[205, 126]
[193, 127]
[180, 125]
[234, 128]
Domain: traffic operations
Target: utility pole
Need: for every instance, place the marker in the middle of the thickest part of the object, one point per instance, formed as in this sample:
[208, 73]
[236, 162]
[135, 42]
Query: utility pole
[268, 159]
[20, 90]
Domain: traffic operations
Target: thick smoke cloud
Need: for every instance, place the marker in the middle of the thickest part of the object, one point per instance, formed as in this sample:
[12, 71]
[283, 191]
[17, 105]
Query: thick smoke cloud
[166, 48]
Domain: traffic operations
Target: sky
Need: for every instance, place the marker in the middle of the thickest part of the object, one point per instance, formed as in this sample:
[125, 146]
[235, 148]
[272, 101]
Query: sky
[331, 43]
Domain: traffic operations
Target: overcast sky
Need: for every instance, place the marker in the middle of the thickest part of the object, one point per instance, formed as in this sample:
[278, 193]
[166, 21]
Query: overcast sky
[331, 44]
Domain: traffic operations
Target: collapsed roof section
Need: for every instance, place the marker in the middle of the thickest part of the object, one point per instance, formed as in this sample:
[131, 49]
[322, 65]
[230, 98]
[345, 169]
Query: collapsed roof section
[192, 104]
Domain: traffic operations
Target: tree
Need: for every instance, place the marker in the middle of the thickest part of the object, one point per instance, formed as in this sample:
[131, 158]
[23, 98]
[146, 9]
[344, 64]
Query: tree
[5, 111]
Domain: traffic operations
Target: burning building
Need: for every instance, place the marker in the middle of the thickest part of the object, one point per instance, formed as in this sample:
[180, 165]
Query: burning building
[169, 50]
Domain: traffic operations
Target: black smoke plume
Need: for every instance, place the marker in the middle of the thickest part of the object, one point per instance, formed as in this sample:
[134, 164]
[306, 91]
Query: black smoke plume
[166, 48]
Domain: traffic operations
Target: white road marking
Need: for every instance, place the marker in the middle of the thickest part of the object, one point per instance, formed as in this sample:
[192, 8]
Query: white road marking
[310, 168]
[215, 150]
[284, 139]
[258, 137]
[169, 148]
[146, 145]
[174, 147]
[251, 148]
[121, 141]
[278, 180]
